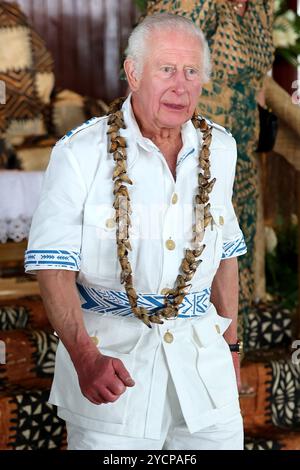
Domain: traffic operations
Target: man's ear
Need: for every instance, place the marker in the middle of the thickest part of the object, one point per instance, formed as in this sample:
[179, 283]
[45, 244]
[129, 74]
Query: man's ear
[131, 74]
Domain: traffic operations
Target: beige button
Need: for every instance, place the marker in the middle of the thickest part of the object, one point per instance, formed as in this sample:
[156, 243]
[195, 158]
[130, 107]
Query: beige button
[218, 329]
[221, 220]
[110, 223]
[164, 291]
[174, 198]
[168, 337]
[95, 340]
[170, 244]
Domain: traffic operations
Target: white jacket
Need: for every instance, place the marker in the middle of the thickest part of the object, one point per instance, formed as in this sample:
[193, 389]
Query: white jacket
[72, 229]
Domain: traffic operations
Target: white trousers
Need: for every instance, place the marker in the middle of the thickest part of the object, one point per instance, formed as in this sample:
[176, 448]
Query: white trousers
[225, 435]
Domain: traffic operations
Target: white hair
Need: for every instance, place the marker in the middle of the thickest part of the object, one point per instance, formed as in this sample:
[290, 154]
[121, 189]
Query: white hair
[138, 39]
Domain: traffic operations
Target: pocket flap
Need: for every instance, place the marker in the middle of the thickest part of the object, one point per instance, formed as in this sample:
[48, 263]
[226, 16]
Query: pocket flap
[114, 333]
[208, 329]
[218, 214]
[99, 215]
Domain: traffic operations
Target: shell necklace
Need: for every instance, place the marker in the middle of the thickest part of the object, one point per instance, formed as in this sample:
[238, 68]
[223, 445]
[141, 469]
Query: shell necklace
[191, 260]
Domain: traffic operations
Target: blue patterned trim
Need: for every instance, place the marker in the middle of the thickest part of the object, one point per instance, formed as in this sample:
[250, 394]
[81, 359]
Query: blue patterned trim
[76, 129]
[116, 302]
[185, 156]
[236, 248]
[53, 259]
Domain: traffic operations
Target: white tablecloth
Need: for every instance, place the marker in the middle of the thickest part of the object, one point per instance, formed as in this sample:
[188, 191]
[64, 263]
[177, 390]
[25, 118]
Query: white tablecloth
[19, 195]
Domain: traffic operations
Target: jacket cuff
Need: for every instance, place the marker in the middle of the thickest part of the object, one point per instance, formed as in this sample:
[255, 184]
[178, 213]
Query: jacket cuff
[51, 259]
[234, 248]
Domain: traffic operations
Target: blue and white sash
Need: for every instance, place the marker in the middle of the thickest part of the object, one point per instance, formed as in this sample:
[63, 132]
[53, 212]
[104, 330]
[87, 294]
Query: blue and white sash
[116, 302]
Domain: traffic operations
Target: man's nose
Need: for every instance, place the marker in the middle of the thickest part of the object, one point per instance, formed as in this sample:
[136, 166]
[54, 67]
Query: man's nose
[180, 82]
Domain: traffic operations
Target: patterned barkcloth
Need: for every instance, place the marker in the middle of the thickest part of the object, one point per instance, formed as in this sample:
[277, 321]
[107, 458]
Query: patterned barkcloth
[30, 355]
[27, 312]
[26, 68]
[275, 401]
[28, 422]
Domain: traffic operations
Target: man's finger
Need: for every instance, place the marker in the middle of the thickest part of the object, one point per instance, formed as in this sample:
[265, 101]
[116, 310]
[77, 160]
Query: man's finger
[116, 387]
[96, 400]
[108, 396]
[122, 373]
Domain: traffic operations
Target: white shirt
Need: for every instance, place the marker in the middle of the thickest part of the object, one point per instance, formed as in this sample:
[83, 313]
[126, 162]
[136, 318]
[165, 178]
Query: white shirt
[71, 229]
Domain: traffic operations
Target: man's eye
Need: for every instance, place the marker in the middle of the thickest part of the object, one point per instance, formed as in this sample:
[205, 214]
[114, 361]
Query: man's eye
[167, 69]
[191, 73]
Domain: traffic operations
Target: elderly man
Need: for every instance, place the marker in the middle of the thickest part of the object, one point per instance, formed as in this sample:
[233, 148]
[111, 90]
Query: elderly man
[135, 243]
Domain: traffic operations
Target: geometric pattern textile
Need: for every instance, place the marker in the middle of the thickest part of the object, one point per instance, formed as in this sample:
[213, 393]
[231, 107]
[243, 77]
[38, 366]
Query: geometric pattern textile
[29, 357]
[110, 302]
[255, 443]
[25, 312]
[26, 69]
[235, 248]
[272, 440]
[284, 394]
[269, 326]
[12, 317]
[54, 259]
[29, 422]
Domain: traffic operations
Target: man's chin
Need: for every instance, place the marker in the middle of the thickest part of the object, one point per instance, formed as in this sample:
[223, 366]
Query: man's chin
[171, 120]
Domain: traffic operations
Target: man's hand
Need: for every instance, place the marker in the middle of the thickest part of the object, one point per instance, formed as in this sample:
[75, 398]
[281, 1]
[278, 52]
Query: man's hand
[102, 379]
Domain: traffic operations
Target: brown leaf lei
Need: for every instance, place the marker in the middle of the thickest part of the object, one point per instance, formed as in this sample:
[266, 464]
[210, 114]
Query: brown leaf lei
[203, 218]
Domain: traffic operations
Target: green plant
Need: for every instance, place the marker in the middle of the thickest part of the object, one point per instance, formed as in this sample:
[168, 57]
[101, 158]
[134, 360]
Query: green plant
[286, 32]
[141, 4]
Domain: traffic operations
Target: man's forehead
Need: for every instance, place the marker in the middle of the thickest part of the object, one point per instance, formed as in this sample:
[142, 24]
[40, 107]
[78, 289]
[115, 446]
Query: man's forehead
[166, 44]
[172, 35]
[161, 55]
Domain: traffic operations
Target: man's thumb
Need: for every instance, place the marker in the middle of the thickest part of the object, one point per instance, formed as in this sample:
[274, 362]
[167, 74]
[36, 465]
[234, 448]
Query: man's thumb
[123, 373]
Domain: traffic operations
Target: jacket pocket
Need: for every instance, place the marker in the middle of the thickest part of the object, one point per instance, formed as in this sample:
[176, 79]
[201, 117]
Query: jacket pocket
[115, 335]
[99, 247]
[212, 253]
[214, 360]
[118, 338]
[218, 215]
